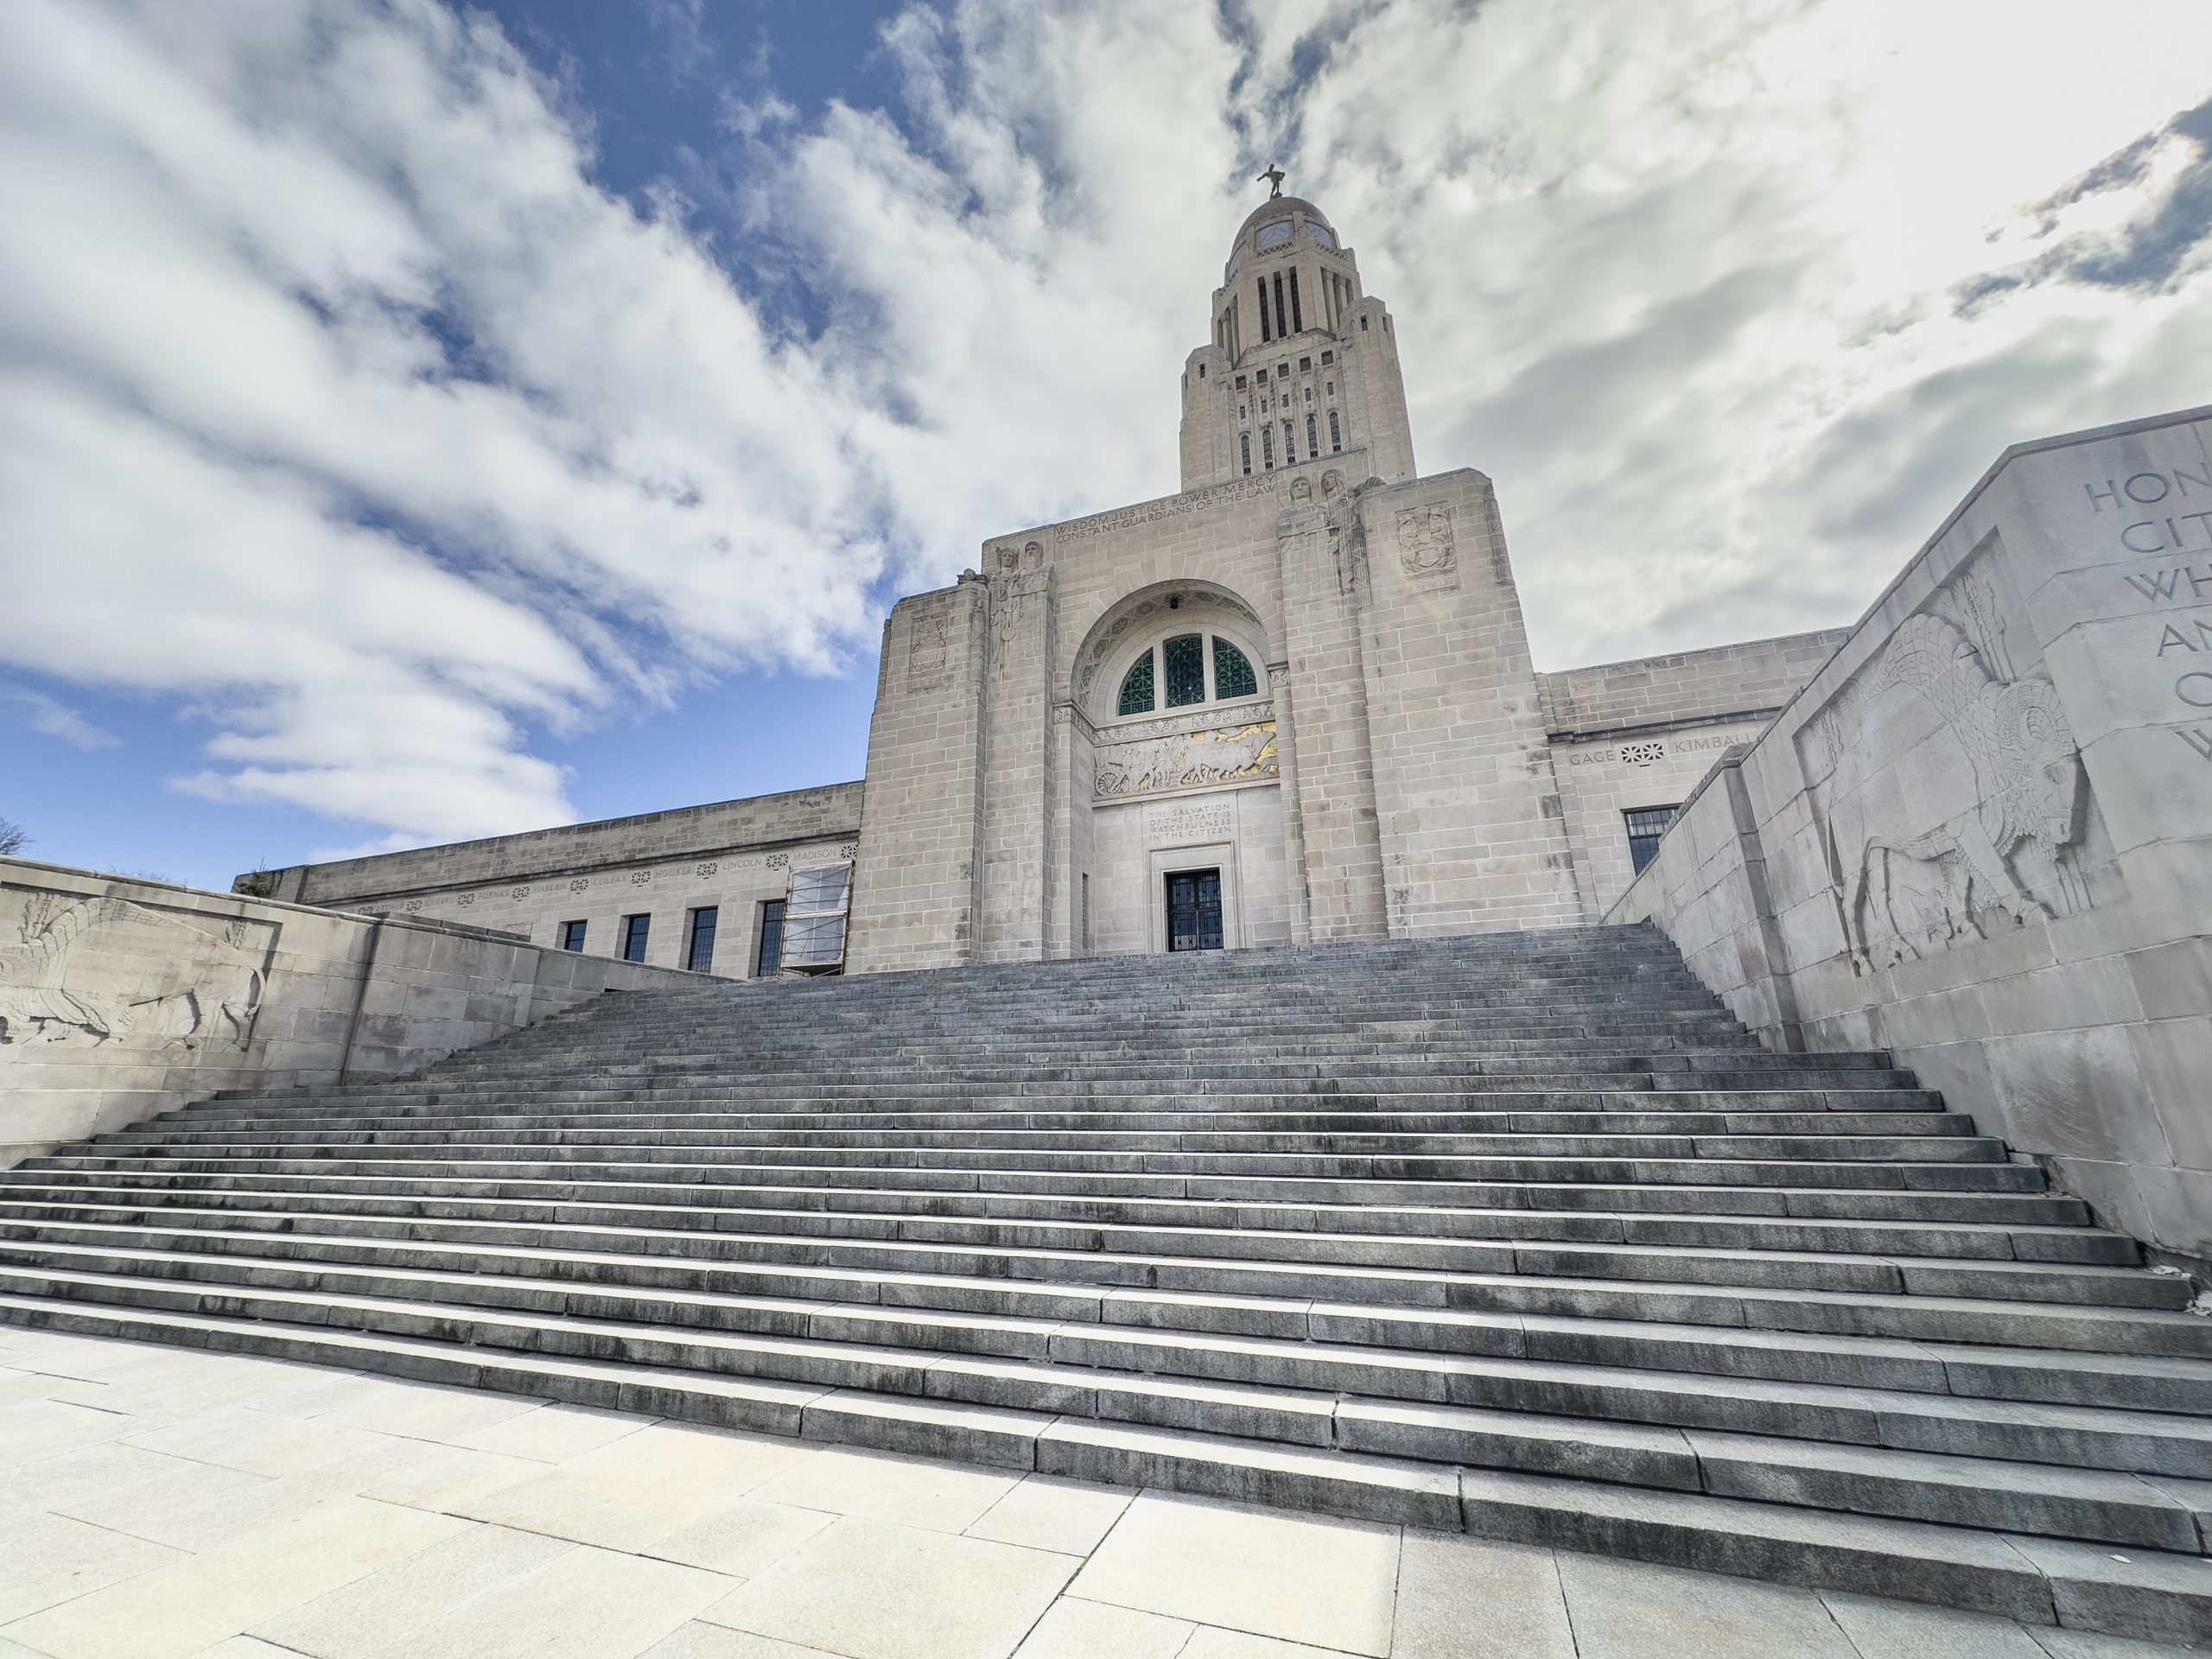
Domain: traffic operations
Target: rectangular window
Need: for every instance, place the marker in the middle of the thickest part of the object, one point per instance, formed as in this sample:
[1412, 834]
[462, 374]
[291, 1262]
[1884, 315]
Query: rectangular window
[1335, 434]
[1240, 382]
[700, 958]
[1313, 443]
[572, 936]
[768, 961]
[1267, 447]
[1327, 358]
[1086, 913]
[1297, 316]
[1645, 825]
[634, 932]
[1264, 335]
[1363, 325]
[1279, 310]
[1245, 441]
[1290, 445]
[1304, 364]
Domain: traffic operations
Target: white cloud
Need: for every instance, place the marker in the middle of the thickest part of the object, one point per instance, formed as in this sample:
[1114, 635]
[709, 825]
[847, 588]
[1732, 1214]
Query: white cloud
[50, 718]
[342, 404]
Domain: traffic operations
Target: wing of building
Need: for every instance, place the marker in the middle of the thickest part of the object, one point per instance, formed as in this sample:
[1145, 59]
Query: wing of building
[1292, 702]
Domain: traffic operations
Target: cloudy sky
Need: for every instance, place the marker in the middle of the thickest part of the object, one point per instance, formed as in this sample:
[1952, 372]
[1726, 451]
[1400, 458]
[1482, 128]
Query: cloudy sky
[419, 422]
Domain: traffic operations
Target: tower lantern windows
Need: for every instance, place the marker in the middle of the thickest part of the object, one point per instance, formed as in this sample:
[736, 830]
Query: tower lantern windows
[1296, 317]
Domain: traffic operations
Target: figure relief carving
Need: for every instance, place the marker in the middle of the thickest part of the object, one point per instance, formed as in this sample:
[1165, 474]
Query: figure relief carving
[1426, 548]
[1909, 892]
[1007, 559]
[1032, 555]
[1186, 761]
[106, 969]
[929, 651]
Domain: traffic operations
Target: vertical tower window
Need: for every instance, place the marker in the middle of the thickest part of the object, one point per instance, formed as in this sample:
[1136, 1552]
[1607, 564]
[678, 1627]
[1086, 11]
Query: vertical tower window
[1335, 434]
[1297, 318]
[1244, 442]
[1289, 444]
[1267, 447]
[1232, 672]
[635, 931]
[1136, 684]
[1264, 335]
[1279, 323]
[572, 936]
[768, 960]
[700, 957]
[1313, 439]
[1186, 656]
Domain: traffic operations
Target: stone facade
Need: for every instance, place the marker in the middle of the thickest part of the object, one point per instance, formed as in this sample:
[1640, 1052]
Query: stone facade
[121, 998]
[1381, 760]
[733, 857]
[1981, 836]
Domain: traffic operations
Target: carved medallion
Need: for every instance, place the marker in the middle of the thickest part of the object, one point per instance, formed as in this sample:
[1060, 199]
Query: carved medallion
[1425, 542]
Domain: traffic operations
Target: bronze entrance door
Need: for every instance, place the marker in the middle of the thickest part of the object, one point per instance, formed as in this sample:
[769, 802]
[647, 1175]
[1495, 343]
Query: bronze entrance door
[1194, 910]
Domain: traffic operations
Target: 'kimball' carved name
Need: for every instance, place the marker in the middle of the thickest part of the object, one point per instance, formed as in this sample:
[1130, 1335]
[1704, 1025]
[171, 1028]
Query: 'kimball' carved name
[1077, 530]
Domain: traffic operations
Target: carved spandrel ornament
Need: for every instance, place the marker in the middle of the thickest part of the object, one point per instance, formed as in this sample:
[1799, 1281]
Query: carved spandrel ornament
[1186, 761]
[1914, 887]
[1427, 552]
[99, 970]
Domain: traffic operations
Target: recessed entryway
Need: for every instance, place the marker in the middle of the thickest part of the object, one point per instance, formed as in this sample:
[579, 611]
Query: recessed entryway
[1193, 899]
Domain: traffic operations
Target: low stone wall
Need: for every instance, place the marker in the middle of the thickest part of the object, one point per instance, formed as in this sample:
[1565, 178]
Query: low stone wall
[122, 998]
[1981, 836]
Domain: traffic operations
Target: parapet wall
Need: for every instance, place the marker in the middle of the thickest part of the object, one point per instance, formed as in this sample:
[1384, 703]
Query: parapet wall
[121, 998]
[1981, 836]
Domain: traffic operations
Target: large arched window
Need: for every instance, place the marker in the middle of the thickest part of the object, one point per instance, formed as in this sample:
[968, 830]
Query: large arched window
[1191, 668]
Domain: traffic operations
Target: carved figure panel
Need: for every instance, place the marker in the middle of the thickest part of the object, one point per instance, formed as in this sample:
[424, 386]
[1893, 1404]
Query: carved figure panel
[1951, 791]
[1186, 761]
[100, 970]
[929, 651]
[1426, 550]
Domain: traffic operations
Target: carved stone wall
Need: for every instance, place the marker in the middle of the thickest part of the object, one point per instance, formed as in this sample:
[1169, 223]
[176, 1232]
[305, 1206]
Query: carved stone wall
[1981, 838]
[1204, 758]
[121, 998]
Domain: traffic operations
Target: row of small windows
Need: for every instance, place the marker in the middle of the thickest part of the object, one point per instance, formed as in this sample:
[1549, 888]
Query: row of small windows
[1182, 663]
[635, 934]
[1290, 444]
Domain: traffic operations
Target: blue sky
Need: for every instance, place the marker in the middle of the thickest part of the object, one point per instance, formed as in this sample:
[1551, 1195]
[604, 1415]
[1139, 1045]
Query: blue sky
[418, 423]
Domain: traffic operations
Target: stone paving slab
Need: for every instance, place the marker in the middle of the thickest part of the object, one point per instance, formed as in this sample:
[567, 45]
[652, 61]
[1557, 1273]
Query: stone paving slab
[231, 1507]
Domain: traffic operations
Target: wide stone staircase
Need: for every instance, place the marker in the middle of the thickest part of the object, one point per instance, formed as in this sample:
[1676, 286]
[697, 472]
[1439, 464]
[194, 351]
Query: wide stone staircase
[1519, 1234]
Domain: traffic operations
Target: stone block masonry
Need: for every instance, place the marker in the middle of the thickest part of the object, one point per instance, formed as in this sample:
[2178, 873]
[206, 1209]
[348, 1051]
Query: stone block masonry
[1981, 837]
[121, 998]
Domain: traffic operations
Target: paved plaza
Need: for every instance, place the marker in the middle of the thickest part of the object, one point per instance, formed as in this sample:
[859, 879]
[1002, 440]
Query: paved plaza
[162, 1502]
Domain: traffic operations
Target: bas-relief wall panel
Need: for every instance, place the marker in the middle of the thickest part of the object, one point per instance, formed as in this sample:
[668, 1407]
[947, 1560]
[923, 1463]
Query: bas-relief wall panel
[1966, 844]
[1946, 785]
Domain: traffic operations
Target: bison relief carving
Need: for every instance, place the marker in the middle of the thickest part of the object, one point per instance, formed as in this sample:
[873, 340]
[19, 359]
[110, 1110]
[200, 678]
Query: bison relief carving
[106, 969]
[1912, 891]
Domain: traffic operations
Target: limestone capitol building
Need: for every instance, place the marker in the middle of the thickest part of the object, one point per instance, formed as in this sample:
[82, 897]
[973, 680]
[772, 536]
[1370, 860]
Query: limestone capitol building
[1292, 702]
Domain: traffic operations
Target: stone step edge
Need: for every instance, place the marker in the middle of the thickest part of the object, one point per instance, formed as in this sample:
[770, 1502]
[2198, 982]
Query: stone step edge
[372, 1313]
[78, 1197]
[2135, 1593]
[2088, 1274]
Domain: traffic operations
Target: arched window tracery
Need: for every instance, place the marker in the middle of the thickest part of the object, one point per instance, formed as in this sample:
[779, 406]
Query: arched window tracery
[1193, 667]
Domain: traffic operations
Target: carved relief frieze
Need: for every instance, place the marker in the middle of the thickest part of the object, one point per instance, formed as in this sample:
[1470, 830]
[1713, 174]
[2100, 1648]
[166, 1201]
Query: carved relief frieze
[1226, 754]
[99, 970]
[1427, 552]
[1932, 834]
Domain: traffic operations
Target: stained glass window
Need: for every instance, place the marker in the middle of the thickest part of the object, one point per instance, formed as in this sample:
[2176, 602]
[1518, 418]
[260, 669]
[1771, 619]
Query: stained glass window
[1136, 688]
[1232, 672]
[1187, 668]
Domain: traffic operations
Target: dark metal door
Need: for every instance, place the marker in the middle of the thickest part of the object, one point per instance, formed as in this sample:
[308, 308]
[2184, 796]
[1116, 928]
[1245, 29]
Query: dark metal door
[1194, 910]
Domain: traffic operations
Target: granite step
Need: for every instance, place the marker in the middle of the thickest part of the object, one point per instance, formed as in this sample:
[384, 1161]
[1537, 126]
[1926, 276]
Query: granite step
[1523, 1234]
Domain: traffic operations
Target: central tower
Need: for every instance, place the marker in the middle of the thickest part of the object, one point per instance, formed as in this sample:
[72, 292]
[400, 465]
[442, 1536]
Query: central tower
[1302, 366]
